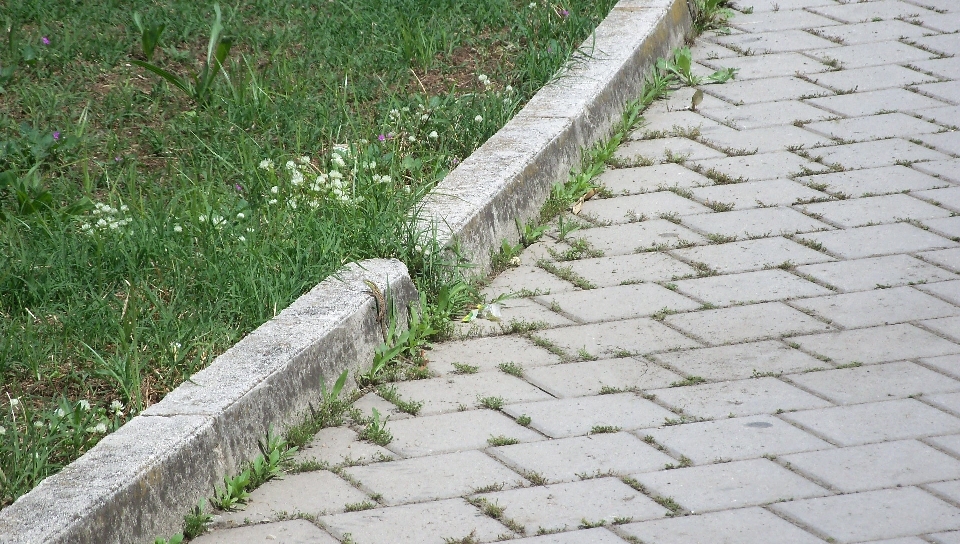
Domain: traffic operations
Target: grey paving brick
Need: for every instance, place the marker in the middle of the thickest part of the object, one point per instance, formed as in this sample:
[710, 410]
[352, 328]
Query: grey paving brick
[735, 439]
[952, 537]
[641, 335]
[879, 209]
[870, 32]
[943, 43]
[873, 383]
[625, 239]
[878, 240]
[948, 364]
[755, 222]
[450, 475]
[941, 6]
[448, 393]
[873, 127]
[729, 485]
[707, 50]
[877, 307]
[946, 91]
[762, 140]
[774, 42]
[871, 78]
[598, 535]
[762, 166]
[514, 280]
[946, 170]
[945, 142]
[650, 178]
[947, 68]
[944, 22]
[749, 287]
[870, 54]
[432, 522]
[335, 445]
[769, 21]
[680, 99]
[873, 102]
[739, 361]
[948, 197]
[522, 310]
[948, 116]
[773, 65]
[670, 123]
[738, 398]
[662, 149]
[310, 493]
[741, 526]
[297, 531]
[946, 326]
[637, 267]
[857, 12]
[877, 153]
[752, 254]
[620, 302]
[904, 540]
[877, 344]
[432, 435]
[951, 490]
[591, 377]
[946, 401]
[488, 353]
[777, 5]
[626, 209]
[753, 194]
[766, 90]
[768, 114]
[744, 323]
[561, 506]
[874, 181]
[541, 250]
[866, 274]
[367, 403]
[876, 422]
[947, 290]
[569, 459]
[873, 515]
[578, 416]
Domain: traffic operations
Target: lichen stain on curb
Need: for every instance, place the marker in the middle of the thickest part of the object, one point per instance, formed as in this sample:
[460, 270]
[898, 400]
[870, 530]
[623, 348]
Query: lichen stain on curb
[138, 482]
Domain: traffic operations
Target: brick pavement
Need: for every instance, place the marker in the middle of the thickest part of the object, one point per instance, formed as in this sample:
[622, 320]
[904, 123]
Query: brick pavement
[767, 351]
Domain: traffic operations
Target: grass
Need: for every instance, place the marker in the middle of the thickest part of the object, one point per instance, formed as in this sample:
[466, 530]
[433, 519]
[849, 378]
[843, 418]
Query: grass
[146, 238]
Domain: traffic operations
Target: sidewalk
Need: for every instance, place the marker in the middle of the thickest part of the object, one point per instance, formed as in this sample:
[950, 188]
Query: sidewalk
[768, 350]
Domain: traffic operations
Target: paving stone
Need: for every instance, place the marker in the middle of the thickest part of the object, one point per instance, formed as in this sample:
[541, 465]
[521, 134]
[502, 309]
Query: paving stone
[662, 149]
[877, 307]
[856, 12]
[578, 416]
[751, 255]
[755, 222]
[562, 506]
[870, 54]
[877, 344]
[753, 194]
[738, 398]
[765, 90]
[645, 179]
[620, 302]
[949, 258]
[448, 393]
[451, 475]
[777, 5]
[311, 493]
[598, 535]
[769, 21]
[431, 522]
[904, 540]
[879, 209]
[952, 537]
[948, 116]
[512, 311]
[567, 459]
[762, 140]
[874, 102]
[946, 142]
[872, 515]
[947, 170]
[866, 274]
[625, 239]
[591, 377]
[739, 361]
[949, 443]
[873, 383]
[859, 129]
[432, 435]
[875, 422]
[729, 485]
[944, 22]
[946, 401]
[948, 68]
[745, 323]
[948, 364]
[943, 43]
[643, 335]
[707, 50]
[750, 287]
[870, 32]
[767, 114]
[735, 439]
[878, 240]
[774, 42]
[628, 209]
[670, 123]
[541, 250]
[335, 445]
[762, 166]
[874, 181]
[766, 66]
[948, 290]
[877, 153]
[871, 78]
[741, 526]
[488, 353]
[372, 401]
[679, 100]
[297, 531]
[515, 280]
[947, 326]
[946, 91]
[637, 267]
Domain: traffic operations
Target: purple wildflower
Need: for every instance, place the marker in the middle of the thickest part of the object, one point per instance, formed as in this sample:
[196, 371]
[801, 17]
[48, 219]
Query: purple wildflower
[564, 13]
[238, 187]
[381, 138]
[56, 135]
[45, 40]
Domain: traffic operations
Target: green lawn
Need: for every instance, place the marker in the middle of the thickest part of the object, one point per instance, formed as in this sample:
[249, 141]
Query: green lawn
[144, 230]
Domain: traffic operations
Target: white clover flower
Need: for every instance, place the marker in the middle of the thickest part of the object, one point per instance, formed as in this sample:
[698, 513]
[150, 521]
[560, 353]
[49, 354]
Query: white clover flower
[202, 218]
[483, 78]
[296, 178]
[532, 5]
[515, 261]
[266, 164]
[100, 428]
[124, 207]
[334, 175]
[425, 117]
[304, 159]
[373, 164]
[272, 201]
[249, 229]
[274, 189]
[38, 424]
[509, 88]
[101, 222]
[314, 204]
[338, 160]
[177, 228]
[433, 135]
[394, 113]
[85, 227]
[2, 431]
[507, 101]
[292, 203]
[84, 405]
[116, 405]
[385, 179]
[60, 412]
[218, 221]
[412, 138]
[315, 187]
[114, 225]
[290, 165]
[241, 238]
[113, 210]
[377, 178]
[405, 109]
[478, 119]
[240, 215]
[175, 345]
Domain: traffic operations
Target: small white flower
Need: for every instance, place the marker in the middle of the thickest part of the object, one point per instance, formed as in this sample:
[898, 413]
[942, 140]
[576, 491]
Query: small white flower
[377, 178]
[412, 138]
[240, 215]
[433, 135]
[296, 178]
[249, 229]
[202, 219]
[314, 204]
[60, 412]
[123, 208]
[84, 405]
[290, 165]
[241, 238]
[175, 345]
[272, 201]
[338, 160]
[532, 5]
[101, 222]
[335, 175]
[509, 89]
[373, 165]
[304, 160]
[114, 225]
[177, 228]
[483, 78]
[38, 424]
[116, 405]
[2, 431]
[274, 189]
[85, 227]
[425, 117]
[405, 109]
[385, 179]
[478, 119]
[100, 428]
[266, 164]
[292, 203]
[515, 261]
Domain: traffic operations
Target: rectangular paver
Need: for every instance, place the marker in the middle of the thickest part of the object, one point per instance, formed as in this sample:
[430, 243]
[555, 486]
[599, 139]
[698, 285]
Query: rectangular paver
[877, 344]
[775, 42]
[878, 240]
[766, 66]
[877, 307]
[867, 274]
[873, 102]
[432, 435]
[750, 287]
[738, 398]
[277, 499]
[592, 377]
[755, 222]
[449, 393]
[872, 383]
[769, 114]
[873, 127]
[745, 323]
[633, 268]
[619, 302]
[779, 164]
[742, 526]
[871, 54]
[739, 361]
[754, 194]
[752, 255]
[626, 209]
[650, 178]
[874, 181]
[625, 239]
[633, 336]
[578, 416]
[873, 31]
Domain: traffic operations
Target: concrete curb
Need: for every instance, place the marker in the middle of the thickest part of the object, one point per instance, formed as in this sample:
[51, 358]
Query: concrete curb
[137, 483]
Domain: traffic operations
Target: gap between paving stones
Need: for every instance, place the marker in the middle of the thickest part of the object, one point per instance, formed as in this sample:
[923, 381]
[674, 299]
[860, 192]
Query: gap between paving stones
[137, 483]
